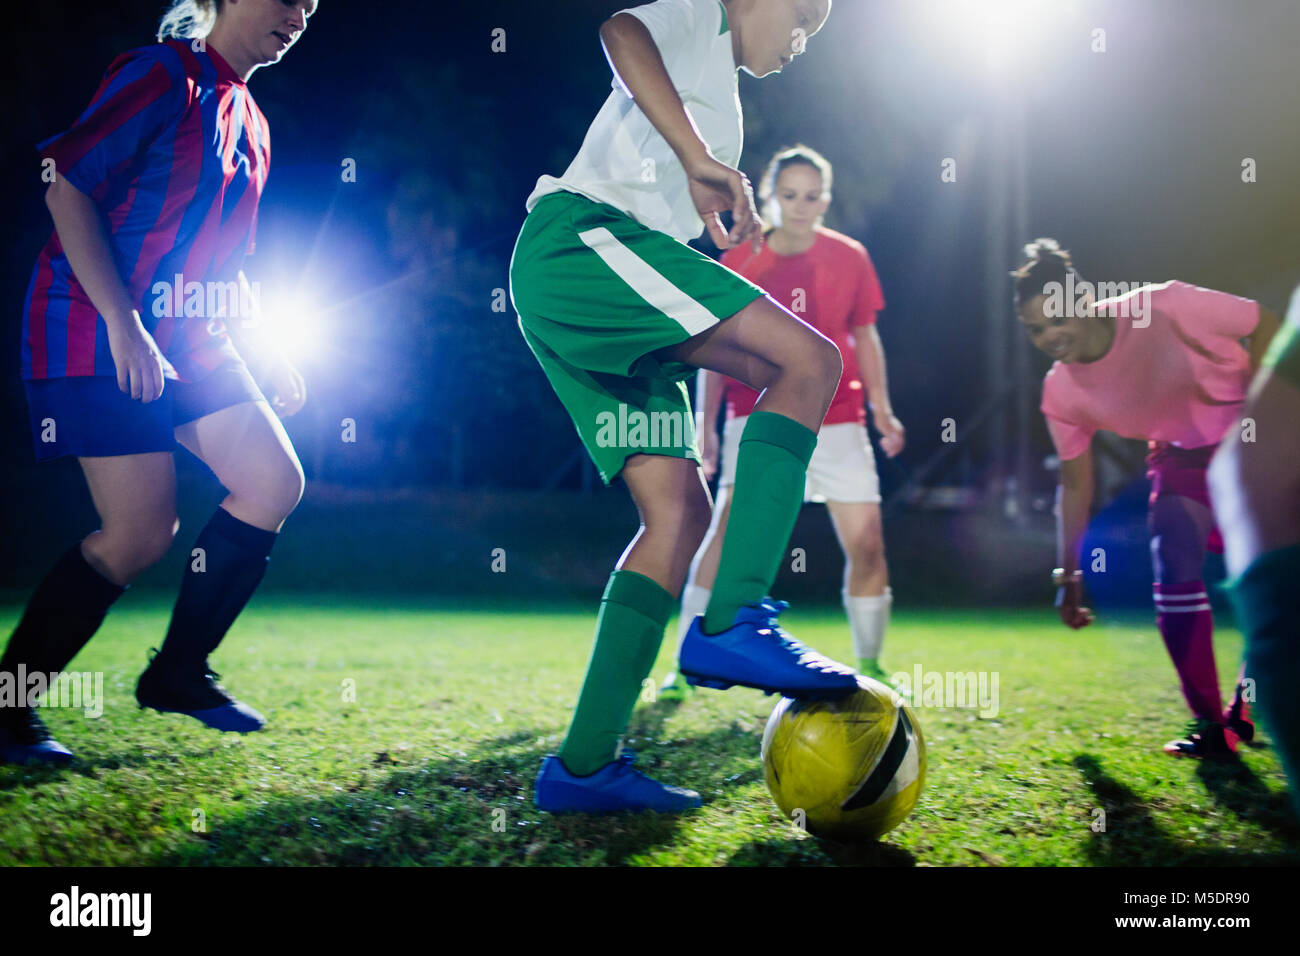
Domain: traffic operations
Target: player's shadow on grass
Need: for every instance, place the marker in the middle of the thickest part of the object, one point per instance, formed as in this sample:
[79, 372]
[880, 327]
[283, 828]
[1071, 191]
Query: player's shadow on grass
[13, 777]
[1236, 787]
[1132, 837]
[470, 808]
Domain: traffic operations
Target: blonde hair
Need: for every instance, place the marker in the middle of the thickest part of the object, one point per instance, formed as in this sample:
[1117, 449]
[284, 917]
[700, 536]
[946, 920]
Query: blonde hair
[188, 19]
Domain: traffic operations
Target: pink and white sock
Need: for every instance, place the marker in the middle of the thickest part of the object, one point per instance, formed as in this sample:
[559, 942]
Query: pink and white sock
[1186, 623]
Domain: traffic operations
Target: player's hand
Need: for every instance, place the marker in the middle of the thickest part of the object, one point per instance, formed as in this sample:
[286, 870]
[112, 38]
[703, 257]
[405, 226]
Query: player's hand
[892, 434]
[709, 452]
[137, 358]
[288, 389]
[1069, 597]
[716, 188]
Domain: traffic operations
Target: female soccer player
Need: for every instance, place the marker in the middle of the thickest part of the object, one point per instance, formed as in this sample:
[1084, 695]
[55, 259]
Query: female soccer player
[1163, 363]
[1255, 487]
[154, 203]
[827, 279]
[619, 310]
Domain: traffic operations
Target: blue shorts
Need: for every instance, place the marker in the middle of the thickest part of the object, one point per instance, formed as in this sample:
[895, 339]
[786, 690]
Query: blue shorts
[89, 416]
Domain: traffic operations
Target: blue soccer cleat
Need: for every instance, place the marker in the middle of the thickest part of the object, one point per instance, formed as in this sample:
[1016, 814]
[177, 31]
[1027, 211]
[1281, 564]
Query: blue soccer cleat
[755, 652]
[24, 739]
[195, 693]
[612, 788]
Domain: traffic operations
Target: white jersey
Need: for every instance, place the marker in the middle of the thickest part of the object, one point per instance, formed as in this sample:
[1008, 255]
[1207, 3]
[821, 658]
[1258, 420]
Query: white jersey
[624, 161]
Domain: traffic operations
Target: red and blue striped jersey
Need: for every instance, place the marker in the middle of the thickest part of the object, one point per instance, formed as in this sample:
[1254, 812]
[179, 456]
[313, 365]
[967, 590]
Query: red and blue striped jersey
[175, 153]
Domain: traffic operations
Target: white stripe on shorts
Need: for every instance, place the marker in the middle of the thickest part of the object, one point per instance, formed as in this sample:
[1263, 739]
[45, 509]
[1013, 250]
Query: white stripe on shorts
[1182, 609]
[647, 283]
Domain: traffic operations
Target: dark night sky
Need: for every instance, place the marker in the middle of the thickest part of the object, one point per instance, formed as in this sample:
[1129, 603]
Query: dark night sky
[1134, 159]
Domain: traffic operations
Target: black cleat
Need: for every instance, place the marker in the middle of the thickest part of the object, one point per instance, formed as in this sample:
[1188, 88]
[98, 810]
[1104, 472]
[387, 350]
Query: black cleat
[194, 691]
[1204, 739]
[1237, 717]
[24, 739]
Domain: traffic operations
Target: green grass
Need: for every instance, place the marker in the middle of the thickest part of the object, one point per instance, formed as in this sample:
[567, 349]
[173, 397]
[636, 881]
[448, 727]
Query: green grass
[433, 763]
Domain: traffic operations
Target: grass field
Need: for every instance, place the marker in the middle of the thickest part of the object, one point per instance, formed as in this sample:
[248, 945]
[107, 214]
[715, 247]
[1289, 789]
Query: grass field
[434, 760]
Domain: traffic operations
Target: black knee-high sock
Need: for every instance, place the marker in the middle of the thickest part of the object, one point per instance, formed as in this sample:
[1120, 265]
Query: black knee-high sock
[235, 555]
[63, 614]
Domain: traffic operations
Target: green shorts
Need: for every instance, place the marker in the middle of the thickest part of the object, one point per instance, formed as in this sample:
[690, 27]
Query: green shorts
[597, 294]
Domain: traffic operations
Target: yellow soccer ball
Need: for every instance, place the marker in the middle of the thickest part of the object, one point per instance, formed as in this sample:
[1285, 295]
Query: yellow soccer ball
[850, 769]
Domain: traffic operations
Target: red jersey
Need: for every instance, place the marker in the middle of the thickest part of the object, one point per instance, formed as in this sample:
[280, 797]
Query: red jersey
[833, 287]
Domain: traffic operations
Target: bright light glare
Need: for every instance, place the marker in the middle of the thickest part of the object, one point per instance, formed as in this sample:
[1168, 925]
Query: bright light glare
[291, 324]
[999, 33]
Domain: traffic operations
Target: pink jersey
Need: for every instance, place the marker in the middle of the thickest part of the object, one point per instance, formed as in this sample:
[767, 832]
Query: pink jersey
[1181, 379]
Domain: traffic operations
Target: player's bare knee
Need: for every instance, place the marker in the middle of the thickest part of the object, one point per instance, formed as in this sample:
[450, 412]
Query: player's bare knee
[127, 551]
[829, 361]
[289, 487]
[831, 364]
[278, 495]
[818, 368]
[101, 554]
[868, 558]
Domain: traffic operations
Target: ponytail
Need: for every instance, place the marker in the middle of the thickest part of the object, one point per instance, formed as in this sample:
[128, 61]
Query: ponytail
[188, 19]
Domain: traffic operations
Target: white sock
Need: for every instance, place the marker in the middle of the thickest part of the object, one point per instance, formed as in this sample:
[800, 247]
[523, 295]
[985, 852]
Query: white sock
[694, 601]
[868, 618]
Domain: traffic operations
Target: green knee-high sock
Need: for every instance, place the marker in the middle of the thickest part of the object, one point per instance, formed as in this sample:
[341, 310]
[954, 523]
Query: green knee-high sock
[633, 614]
[770, 469]
[1267, 606]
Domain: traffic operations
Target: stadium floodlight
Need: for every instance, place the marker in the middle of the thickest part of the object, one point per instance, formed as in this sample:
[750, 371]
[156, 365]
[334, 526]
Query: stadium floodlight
[291, 324]
[997, 32]
[287, 319]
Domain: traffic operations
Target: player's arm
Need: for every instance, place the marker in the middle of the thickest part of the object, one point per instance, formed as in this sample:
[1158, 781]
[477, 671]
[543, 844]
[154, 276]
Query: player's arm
[1073, 509]
[84, 236]
[870, 352]
[708, 402]
[715, 187]
[640, 70]
[1268, 325]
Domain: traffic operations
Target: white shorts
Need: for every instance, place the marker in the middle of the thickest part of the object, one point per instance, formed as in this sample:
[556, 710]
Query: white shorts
[842, 467]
